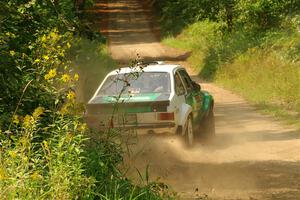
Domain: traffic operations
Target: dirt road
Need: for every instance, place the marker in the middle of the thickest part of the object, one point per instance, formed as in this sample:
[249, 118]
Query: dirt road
[253, 155]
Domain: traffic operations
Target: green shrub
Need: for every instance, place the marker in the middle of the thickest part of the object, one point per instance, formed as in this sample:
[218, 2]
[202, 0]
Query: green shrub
[177, 14]
[252, 15]
[42, 143]
[44, 149]
[264, 14]
[258, 56]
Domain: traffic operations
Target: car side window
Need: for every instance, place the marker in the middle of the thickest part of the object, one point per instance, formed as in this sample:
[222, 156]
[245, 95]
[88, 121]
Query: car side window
[179, 88]
[186, 80]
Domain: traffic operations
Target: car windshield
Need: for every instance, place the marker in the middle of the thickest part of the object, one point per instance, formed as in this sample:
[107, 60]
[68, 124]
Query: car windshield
[136, 83]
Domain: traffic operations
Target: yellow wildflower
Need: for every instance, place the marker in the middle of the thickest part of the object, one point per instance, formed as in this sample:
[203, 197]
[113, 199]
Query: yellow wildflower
[25, 159]
[46, 57]
[47, 77]
[51, 74]
[54, 35]
[35, 175]
[16, 119]
[12, 53]
[44, 38]
[71, 95]
[12, 154]
[27, 121]
[45, 144]
[38, 112]
[68, 45]
[76, 77]
[65, 78]
[83, 127]
[37, 60]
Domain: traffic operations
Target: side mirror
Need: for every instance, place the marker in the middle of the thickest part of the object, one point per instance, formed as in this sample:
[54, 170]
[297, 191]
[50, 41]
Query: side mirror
[196, 86]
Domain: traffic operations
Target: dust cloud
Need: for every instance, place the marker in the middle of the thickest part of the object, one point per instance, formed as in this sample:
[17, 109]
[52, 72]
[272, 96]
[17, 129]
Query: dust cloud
[233, 169]
[252, 156]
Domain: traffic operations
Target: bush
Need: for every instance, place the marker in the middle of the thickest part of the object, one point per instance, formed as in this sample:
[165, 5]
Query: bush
[264, 14]
[41, 150]
[252, 47]
[252, 15]
[44, 149]
[177, 14]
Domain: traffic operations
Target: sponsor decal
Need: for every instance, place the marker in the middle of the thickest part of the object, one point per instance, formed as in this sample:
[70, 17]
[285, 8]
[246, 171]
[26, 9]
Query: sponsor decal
[132, 98]
[135, 103]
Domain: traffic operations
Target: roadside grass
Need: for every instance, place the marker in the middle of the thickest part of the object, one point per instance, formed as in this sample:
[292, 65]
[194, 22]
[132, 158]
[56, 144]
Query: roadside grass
[290, 117]
[271, 84]
[262, 67]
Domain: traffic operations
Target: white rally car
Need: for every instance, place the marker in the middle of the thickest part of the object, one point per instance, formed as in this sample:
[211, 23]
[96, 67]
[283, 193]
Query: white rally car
[156, 97]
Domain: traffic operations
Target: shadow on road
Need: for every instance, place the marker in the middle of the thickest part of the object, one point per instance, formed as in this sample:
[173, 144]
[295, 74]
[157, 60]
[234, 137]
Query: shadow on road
[128, 22]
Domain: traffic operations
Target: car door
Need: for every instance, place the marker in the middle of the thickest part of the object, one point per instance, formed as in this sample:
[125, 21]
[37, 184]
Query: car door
[193, 96]
[179, 99]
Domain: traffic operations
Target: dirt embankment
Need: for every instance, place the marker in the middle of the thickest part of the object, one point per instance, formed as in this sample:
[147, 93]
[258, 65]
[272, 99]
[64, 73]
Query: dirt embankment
[253, 155]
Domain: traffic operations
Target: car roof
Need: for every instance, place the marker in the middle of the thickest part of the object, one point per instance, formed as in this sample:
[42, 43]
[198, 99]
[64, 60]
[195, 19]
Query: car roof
[152, 67]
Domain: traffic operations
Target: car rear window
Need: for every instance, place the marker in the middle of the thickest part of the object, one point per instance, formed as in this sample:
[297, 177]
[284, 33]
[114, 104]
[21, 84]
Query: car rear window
[136, 83]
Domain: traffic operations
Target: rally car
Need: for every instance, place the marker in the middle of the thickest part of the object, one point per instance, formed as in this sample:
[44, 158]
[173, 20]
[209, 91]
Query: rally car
[156, 98]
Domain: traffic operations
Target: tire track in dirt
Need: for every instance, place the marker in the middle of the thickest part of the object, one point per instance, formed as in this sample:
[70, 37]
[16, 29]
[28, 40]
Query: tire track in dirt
[252, 157]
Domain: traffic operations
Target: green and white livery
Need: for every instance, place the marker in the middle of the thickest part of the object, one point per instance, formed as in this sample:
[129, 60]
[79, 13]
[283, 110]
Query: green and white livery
[156, 98]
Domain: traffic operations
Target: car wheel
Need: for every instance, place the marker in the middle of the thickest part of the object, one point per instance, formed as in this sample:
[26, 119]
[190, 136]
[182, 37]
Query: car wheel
[189, 132]
[208, 125]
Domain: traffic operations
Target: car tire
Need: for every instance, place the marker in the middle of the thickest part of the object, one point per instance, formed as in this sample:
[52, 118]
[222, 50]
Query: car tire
[189, 137]
[208, 125]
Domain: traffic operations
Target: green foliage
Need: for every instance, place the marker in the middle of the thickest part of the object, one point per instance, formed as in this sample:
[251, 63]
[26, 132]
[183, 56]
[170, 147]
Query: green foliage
[264, 14]
[176, 14]
[35, 168]
[238, 59]
[25, 33]
[258, 56]
[42, 141]
[201, 37]
[232, 14]
[44, 149]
